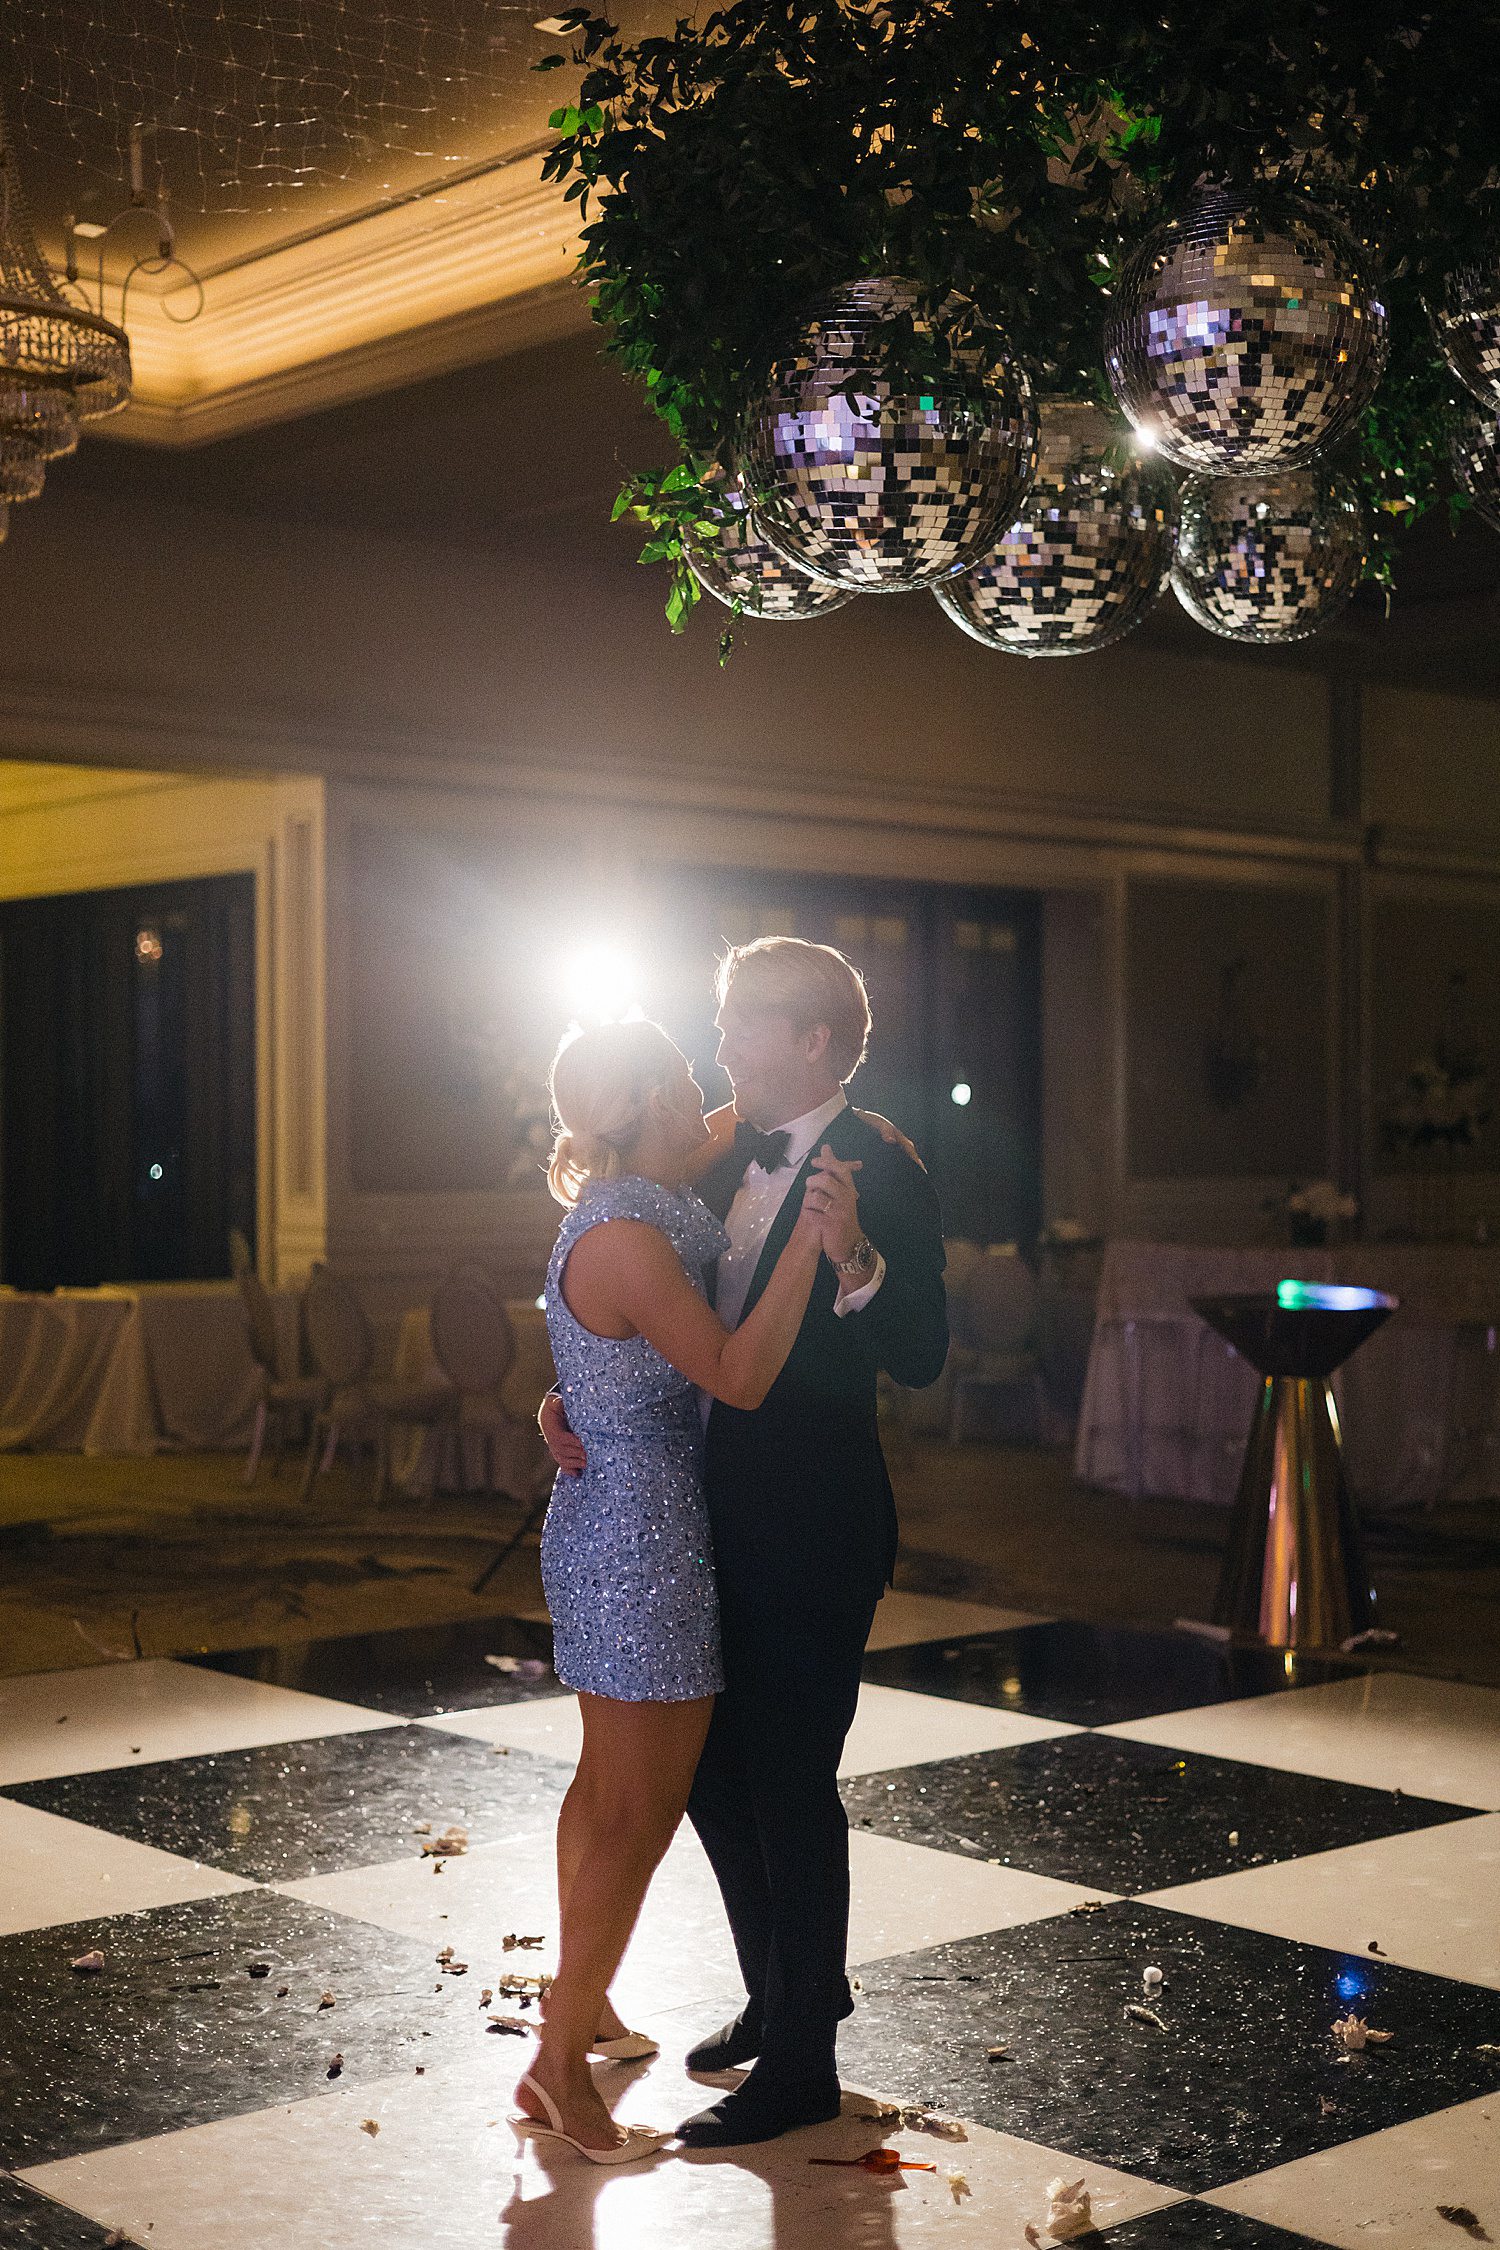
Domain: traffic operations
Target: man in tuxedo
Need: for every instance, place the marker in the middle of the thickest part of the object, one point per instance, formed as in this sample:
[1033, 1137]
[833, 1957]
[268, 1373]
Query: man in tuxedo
[803, 1518]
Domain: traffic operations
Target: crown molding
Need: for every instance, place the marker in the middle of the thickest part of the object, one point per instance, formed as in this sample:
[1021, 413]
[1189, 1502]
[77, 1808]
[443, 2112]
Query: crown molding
[469, 270]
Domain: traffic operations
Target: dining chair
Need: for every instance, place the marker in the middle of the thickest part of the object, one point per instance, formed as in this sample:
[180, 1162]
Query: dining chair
[281, 1398]
[358, 1406]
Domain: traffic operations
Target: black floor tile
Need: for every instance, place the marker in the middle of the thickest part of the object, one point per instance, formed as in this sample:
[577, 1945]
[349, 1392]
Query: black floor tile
[414, 1672]
[292, 1809]
[1126, 1816]
[29, 2221]
[1092, 1675]
[1231, 2087]
[1201, 2226]
[174, 2031]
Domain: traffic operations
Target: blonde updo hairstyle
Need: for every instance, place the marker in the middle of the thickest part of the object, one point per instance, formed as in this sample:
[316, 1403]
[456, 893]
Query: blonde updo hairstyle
[601, 1081]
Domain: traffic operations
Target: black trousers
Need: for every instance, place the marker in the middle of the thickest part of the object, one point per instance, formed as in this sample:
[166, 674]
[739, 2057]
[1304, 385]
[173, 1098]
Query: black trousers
[767, 1810]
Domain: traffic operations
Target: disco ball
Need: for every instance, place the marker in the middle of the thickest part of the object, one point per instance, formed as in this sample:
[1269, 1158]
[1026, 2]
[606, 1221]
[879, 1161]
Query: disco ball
[903, 490]
[739, 567]
[1267, 559]
[1086, 558]
[1467, 320]
[1246, 334]
[1476, 463]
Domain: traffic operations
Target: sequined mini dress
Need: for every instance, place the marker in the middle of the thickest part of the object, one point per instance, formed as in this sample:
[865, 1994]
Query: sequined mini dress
[626, 1560]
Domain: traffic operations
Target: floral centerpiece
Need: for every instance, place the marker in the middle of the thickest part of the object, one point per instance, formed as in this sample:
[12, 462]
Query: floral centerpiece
[1311, 1210]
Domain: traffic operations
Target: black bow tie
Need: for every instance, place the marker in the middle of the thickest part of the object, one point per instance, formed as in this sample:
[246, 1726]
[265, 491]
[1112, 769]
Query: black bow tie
[768, 1150]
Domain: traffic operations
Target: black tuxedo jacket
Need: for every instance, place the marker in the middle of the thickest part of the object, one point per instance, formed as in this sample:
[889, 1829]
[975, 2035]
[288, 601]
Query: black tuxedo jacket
[798, 1493]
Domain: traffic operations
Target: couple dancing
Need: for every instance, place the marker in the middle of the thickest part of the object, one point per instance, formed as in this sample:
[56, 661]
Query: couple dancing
[723, 1526]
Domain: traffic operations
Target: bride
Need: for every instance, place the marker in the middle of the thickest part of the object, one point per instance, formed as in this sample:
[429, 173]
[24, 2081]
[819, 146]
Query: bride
[626, 1560]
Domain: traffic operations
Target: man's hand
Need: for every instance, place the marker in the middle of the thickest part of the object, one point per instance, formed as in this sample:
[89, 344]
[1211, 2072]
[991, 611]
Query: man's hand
[565, 1449]
[832, 1197]
[891, 1134]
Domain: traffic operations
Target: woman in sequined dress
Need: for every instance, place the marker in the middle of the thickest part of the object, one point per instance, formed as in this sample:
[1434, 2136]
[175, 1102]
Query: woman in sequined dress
[626, 1558]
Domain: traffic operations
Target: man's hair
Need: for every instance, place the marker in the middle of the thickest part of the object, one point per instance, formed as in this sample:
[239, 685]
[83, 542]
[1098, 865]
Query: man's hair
[812, 984]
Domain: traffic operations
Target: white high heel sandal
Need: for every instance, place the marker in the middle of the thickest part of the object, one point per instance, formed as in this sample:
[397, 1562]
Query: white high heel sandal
[626, 2046]
[637, 2141]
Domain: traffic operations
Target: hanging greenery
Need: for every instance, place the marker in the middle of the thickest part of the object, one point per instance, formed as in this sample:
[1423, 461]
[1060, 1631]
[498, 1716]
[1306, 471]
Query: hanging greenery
[1007, 154]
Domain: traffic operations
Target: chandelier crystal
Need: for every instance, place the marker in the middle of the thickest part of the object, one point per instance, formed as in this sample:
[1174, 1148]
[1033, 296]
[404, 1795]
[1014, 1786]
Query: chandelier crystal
[45, 340]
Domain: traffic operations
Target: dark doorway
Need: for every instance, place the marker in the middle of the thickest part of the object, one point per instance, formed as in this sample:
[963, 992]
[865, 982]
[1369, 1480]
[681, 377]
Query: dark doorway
[127, 1083]
[955, 991]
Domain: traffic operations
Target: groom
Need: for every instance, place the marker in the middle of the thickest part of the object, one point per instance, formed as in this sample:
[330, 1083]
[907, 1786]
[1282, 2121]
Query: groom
[803, 1518]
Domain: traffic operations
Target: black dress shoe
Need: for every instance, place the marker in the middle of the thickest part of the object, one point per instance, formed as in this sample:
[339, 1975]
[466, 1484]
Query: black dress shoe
[760, 2113]
[738, 2042]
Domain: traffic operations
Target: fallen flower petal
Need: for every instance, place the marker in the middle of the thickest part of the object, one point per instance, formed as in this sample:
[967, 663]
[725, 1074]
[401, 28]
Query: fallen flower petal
[958, 2186]
[370, 2125]
[1138, 2014]
[336, 2067]
[449, 1845]
[1459, 2215]
[1070, 2209]
[928, 2121]
[327, 2001]
[512, 2024]
[88, 1964]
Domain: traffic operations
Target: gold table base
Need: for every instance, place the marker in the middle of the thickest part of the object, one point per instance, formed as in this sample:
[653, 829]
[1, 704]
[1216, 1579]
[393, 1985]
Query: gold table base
[1294, 1571]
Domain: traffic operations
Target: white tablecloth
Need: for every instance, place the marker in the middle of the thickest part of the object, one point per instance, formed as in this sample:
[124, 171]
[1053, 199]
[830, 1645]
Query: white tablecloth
[1167, 1403]
[164, 1367]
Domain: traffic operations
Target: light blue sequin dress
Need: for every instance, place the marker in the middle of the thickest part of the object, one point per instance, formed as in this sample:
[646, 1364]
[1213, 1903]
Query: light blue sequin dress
[626, 1559]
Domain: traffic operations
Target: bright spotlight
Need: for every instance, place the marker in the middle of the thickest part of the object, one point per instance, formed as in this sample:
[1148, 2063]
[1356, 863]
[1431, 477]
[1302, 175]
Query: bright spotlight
[601, 985]
[963, 1094]
[1144, 440]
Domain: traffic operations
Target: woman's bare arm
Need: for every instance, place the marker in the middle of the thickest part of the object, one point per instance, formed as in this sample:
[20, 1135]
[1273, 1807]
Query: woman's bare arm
[624, 1278]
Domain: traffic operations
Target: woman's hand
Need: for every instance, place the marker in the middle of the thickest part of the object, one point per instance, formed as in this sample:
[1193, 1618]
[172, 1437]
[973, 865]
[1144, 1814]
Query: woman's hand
[891, 1134]
[832, 1202]
[564, 1446]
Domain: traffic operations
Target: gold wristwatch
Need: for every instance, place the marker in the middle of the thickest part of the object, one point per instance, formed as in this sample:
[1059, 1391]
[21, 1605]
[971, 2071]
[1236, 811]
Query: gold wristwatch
[860, 1261]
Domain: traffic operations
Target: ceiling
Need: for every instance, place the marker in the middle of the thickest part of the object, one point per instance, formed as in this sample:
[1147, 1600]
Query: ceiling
[357, 189]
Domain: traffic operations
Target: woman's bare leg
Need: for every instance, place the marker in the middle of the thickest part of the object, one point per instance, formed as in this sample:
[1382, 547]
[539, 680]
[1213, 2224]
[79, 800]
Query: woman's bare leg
[621, 1812]
[572, 1833]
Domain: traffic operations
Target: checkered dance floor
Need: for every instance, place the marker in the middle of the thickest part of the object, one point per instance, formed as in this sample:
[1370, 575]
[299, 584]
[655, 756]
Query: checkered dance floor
[280, 2051]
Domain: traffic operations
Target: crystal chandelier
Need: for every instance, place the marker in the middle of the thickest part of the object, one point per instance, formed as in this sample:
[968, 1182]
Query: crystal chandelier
[59, 362]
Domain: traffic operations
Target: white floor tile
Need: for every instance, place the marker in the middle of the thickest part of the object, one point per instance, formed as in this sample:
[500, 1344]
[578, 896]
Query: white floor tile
[1430, 1900]
[129, 1714]
[1382, 2192]
[443, 2173]
[903, 1619]
[1387, 1730]
[892, 1727]
[904, 1898]
[548, 1724]
[54, 1870]
[680, 1952]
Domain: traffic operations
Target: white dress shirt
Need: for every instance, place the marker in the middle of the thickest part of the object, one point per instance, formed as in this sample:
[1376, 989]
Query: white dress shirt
[753, 1213]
